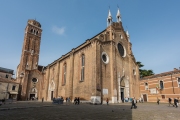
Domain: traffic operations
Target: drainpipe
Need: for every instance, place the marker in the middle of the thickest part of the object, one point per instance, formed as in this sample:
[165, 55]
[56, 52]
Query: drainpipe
[172, 83]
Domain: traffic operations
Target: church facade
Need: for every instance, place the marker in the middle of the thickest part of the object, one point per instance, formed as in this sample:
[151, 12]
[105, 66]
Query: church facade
[102, 67]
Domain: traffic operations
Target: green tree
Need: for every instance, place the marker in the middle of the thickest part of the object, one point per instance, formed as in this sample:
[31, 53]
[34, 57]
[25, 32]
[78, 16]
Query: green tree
[144, 72]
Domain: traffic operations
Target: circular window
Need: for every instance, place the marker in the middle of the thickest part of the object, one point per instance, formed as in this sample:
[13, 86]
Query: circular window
[121, 50]
[105, 58]
[34, 80]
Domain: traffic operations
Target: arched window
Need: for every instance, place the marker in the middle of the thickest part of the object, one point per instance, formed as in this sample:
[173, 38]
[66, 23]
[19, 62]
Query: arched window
[64, 74]
[161, 84]
[37, 33]
[31, 30]
[82, 67]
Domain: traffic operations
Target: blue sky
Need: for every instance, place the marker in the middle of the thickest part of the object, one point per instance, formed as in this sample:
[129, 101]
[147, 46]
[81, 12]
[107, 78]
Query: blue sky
[153, 26]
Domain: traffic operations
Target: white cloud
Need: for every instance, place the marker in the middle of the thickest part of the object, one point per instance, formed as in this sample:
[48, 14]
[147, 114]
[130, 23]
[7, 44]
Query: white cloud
[58, 30]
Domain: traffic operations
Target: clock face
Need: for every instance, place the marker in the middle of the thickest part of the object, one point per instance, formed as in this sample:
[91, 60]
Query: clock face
[121, 50]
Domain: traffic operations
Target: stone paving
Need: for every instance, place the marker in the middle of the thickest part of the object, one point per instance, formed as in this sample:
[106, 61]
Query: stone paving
[49, 111]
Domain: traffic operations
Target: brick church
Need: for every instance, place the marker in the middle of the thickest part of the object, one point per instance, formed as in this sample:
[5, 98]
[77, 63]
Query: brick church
[102, 67]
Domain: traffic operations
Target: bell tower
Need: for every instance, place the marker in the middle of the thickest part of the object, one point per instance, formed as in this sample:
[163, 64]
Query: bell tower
[30, 54]
[31, 46]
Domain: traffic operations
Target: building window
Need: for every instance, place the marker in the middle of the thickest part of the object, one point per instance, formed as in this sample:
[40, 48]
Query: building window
[14, 87]
[121, 50]
[34, 80]
[163, 96]
[7, 76]
[146, 86]
[82, 67]
[179, 82]
[161, 85]
[105, 57]
[64, 74]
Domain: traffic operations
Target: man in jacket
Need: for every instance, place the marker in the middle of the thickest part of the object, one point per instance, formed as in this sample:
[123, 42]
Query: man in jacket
[134, 103]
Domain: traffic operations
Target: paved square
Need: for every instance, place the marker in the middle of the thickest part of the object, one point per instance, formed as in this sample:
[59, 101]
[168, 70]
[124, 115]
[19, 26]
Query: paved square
[43, 111]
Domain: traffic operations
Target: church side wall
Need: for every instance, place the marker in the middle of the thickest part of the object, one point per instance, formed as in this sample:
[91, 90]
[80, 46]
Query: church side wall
[84, 89]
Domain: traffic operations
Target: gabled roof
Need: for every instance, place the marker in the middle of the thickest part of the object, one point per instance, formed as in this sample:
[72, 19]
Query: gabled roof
[5, 70]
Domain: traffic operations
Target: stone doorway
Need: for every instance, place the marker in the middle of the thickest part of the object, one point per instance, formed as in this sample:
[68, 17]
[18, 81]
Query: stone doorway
[124, 88]
[52, 95]
[122, 93]
[145, 97]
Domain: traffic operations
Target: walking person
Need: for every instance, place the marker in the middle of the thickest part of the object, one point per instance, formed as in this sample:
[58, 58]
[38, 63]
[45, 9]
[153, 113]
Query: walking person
[170, 101]
[75, 101]
[134, 101]
[176, 102]
[78, 100]
[107, 101]
[42, 99]
[140, 99]
[68, 100]
[158, 101]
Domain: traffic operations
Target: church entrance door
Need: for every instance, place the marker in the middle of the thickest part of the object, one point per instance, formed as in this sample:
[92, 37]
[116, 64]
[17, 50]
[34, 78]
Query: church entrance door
[52, 95]
[32, 96]
[122, 93]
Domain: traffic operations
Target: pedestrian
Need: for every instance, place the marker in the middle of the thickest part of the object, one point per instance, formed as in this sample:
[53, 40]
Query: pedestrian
[66, 100]
[170, 101]
[107, 101]
[134, 101]
[78, 100]
[176, 102]
[158, 101]
[75, 100]
[140, 99]
[42, 99]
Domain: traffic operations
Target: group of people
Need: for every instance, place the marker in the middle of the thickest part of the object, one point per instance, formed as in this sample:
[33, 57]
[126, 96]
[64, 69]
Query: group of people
[76, 101]
[176, 102]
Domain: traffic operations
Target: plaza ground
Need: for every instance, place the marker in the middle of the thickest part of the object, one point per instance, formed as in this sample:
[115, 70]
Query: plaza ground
[48, 111]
